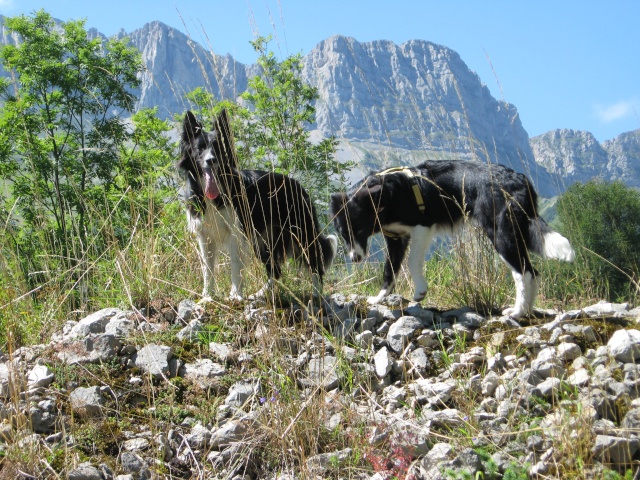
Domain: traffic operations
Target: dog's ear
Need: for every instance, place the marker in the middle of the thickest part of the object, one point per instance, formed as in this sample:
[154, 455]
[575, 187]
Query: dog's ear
[191, 127]
[371, 194]
[222, 126]
[338, 200]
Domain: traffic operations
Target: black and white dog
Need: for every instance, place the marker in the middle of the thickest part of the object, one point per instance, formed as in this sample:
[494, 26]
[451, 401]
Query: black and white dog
[416, 204]
[237, 210]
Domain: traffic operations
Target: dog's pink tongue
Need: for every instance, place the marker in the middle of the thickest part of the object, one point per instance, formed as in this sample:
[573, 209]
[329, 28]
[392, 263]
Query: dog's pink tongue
[211, 187]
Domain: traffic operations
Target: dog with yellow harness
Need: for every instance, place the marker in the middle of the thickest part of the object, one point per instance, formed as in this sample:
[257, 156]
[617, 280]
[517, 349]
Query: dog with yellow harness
[416, 204]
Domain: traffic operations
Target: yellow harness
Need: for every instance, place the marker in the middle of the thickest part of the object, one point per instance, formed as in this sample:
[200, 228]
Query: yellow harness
[416, 188]
[416, 192]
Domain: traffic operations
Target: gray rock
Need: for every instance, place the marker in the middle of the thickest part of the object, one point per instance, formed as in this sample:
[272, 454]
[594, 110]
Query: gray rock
[85, 471]
[230, 432]
[188, 310]
[134, 465]
[607, 309]
[202, 372]
[624, 345]
[383, 362]
[99, 348]
[154, 360]
[615, 450]
[199, 437]
[401, 331]
[94, 323]
[320, 463]
[323, 372]
[221, 351]
[87, 401]
[191, 332]
[40, 376]
[418, 360]
[240, 392]
[120, 327]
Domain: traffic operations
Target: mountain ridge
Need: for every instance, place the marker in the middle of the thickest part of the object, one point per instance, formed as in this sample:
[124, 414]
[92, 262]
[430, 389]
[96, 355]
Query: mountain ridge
[389, 104]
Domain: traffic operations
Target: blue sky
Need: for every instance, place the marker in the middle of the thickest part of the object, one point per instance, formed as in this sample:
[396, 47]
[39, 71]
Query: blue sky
[563, 64]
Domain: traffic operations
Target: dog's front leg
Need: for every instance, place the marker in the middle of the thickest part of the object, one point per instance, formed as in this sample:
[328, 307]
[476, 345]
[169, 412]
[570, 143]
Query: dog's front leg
[396, 250]
[208, 256]
[421, 238]
[236, 253]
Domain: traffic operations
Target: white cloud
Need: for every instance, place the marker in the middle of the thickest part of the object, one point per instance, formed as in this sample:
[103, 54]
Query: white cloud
[616, 111]
[6, 4]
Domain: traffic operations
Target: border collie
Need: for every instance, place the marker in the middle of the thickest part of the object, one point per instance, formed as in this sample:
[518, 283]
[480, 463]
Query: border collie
[416, 204]
[237, 210]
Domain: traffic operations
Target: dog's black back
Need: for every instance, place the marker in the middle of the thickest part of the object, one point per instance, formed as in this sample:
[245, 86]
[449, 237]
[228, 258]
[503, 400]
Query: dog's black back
[453, 191]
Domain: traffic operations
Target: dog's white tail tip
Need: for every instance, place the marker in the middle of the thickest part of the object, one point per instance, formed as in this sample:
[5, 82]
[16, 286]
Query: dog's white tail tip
[334, 244]
[558, 247]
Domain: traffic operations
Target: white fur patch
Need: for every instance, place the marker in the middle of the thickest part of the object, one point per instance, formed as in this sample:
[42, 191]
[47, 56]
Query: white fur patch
[557, 247]
[218, 229]
[334, 248]
[378, 298]
[357, 250]
[421, 238]
[526, 291]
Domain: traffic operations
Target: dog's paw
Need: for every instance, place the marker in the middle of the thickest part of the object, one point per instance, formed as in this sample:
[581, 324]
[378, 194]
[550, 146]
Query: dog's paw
[419, 296]
[235, 297]
[206, 298]
[378, 298]
[514, 312]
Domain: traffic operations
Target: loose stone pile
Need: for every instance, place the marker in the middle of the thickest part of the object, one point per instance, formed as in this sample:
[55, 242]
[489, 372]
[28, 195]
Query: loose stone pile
[436, 394]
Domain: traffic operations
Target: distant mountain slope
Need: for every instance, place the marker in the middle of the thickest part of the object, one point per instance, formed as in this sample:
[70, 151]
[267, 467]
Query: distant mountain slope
[576, 156]
[389, 104]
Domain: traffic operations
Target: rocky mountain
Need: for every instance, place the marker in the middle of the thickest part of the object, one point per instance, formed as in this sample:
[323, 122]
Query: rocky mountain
[176, 65]
[576, 156]
[388, 104]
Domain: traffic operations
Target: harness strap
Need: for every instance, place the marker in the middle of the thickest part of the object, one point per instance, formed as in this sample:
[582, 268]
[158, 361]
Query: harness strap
[414, 181]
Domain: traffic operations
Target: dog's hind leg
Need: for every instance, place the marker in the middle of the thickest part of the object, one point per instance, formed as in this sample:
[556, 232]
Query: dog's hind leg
[526, 291]
[396, 250]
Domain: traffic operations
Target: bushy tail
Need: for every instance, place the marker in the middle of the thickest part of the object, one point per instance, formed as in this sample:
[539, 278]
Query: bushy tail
[548, 243]
[329, 245]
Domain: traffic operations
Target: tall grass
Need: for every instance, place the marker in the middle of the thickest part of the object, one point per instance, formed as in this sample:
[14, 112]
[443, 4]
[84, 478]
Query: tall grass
[145, 254]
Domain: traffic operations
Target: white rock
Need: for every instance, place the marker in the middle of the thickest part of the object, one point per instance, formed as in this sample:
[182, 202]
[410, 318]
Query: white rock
[624, 345]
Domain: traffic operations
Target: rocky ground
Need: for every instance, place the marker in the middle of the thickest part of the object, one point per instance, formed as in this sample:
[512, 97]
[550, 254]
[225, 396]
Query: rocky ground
[342, 391]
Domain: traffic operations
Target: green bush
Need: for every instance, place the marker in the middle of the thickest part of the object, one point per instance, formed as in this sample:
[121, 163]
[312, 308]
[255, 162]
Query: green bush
[603, 222]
